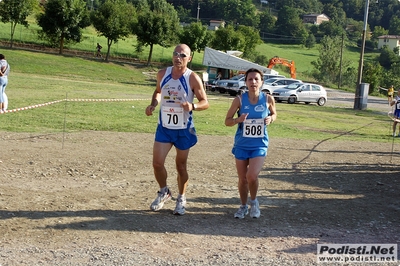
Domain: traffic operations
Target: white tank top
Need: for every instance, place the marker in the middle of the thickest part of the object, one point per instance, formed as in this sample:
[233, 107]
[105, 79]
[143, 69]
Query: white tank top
[173, 93]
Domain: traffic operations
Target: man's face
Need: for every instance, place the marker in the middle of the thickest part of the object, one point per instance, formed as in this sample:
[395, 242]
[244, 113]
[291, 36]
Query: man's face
[180, 57]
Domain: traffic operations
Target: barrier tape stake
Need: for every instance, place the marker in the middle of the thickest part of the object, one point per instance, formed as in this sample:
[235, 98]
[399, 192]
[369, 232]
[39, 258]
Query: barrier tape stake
[65, 118]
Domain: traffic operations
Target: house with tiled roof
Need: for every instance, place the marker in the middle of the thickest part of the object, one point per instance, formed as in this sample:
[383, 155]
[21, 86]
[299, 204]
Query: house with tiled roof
[315, 18]
[391, 41]
[216, 24]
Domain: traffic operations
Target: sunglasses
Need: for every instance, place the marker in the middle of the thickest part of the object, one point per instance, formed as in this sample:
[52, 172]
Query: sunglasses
[180, 55]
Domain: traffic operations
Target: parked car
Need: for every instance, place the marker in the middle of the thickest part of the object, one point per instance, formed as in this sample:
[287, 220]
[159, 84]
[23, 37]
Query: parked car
[232, 85]
[301, 92]
[237, 85]
[269, 76]
[272, 84]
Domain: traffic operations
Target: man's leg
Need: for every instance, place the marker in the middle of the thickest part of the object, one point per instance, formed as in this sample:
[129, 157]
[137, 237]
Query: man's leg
[160, 152]
[181, 167]
[182, 178]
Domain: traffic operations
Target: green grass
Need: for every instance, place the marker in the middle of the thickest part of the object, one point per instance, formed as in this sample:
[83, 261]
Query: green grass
[38, 78]
[126, 48]
[303, 57]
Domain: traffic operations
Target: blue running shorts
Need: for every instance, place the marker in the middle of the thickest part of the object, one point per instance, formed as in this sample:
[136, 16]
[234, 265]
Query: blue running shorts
[397, 113]
[182, 139]
[241, 154]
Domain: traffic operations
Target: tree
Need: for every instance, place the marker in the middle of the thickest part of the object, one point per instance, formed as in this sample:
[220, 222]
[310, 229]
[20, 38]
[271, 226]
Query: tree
[290, 27]
[394, 28]
[184, 15]
[373, 74]
[311, 41]
[15, 12]
[63, 21]
[157, 23]
[387, 58]
[251, 41]
[379, 31]
[327, 65]
[196, 36]
[330, 28]
[267, 22]
[335, 12]
[227, 38]
[354, 9]
[93, 4]
[242, 12]
[307, 6]
[113, 20]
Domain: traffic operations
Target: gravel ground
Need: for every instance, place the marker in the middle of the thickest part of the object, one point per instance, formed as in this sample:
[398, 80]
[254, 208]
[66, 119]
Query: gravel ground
[88, 203]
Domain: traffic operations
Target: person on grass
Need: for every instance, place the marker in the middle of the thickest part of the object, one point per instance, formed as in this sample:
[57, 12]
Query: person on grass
[255, 110]
[4, 72]
[98, 49]
[176, 88]
[390, 93]
[396, 112]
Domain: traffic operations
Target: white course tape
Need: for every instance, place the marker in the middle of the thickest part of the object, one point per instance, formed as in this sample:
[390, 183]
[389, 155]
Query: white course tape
[70, 100]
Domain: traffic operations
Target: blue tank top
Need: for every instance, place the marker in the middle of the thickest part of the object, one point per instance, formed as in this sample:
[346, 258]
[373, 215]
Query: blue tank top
[256, 112]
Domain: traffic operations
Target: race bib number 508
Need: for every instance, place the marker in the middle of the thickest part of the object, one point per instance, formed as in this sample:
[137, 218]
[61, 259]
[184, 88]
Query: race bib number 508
[172, 117]
[253, 128]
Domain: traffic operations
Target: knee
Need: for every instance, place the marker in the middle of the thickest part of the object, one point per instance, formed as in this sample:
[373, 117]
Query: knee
[243, 181]
[181, 168]
[158, 165]
[251, 179]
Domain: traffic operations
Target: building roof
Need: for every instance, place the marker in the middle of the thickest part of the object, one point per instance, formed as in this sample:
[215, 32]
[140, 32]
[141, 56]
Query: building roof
[389, 37]
[315, 15]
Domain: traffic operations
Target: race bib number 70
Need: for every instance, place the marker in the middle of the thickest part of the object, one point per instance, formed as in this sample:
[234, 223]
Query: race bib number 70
[172, 117]
[253, 128]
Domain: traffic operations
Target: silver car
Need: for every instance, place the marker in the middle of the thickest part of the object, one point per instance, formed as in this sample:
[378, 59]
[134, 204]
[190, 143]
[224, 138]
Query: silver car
[301, 92]
[232, 85]
[272, 84]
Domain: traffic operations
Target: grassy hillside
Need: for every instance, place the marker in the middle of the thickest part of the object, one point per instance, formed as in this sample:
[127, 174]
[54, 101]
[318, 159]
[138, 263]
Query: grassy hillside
[126, 48]
[90, 94]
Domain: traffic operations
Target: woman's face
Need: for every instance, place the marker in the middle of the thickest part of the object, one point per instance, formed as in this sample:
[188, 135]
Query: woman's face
[254, 81]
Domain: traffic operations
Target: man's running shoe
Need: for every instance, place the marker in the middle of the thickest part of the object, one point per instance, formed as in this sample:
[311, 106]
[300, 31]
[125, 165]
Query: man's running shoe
[180, 206]
[242, 212]
[254, 209]
[158, 203]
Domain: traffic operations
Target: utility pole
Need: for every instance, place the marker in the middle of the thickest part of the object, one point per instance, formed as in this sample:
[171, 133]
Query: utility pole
[198, 11]
[357, 104]
[91, 8]
[341, 62]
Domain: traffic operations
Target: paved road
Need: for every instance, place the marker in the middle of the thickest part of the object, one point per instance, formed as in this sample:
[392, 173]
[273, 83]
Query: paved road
[346, 99]
[343, 99]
